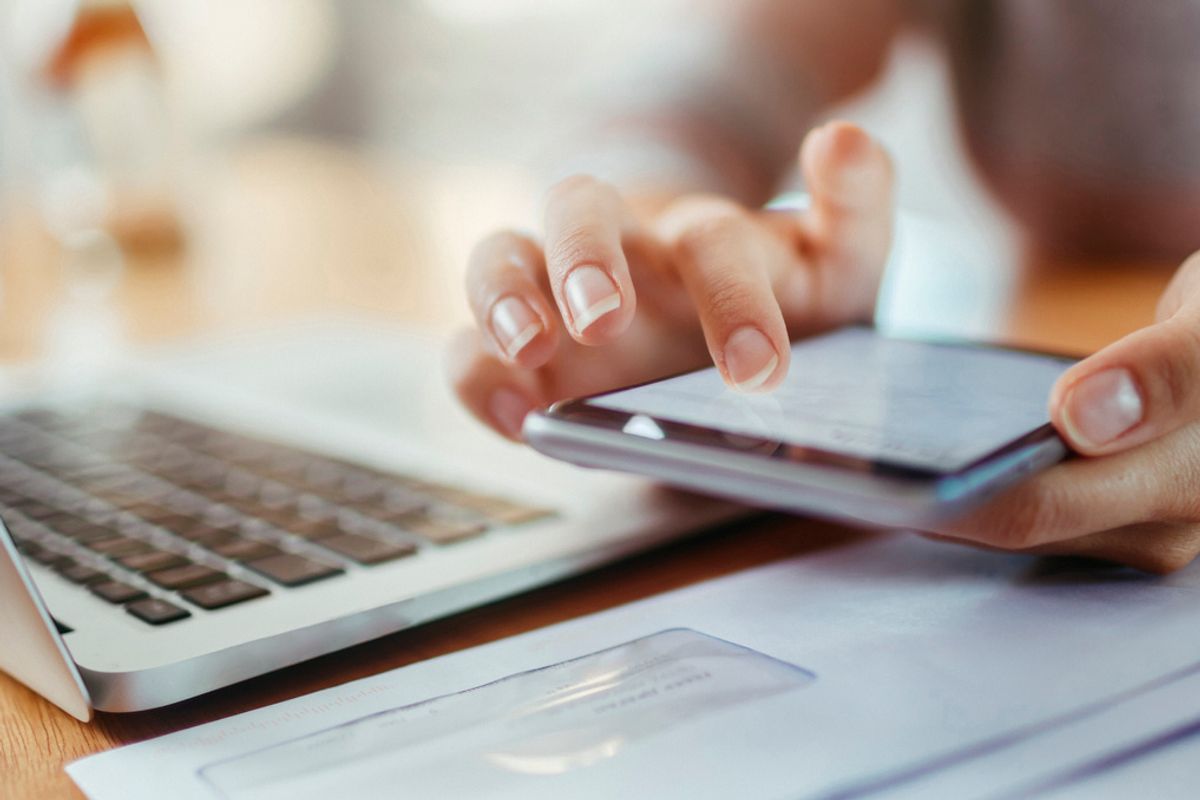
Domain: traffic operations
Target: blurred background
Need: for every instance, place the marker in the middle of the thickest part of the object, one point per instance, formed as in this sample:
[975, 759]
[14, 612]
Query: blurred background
[172, 166]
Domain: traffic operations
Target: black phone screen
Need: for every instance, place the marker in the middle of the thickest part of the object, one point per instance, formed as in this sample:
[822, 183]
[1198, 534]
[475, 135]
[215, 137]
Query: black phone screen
[930, 406]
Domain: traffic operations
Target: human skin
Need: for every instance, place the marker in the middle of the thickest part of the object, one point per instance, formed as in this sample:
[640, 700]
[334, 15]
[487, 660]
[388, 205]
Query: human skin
[631, 280]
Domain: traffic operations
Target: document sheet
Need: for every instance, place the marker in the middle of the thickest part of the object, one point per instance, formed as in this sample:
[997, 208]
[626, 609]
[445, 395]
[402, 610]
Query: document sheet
[895, 667]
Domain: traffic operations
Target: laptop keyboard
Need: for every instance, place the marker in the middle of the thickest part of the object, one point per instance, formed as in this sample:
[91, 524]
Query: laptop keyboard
[163, 516]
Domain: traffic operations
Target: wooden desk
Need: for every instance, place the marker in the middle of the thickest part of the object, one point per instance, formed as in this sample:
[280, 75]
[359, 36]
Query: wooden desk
[286, 228]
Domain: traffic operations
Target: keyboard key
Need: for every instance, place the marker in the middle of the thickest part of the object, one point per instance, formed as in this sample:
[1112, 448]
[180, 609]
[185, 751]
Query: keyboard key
[282, 518]
[275, 495]
[238, 549]
[37, 510]
[391, 506]
[81, 574]
[118, 546]
[47, 557]
[206, 535]
[157, 612]
[10, 498]
[24, 540]
[495, 509]
[290, 569]
[224, 593]
[172, 521]
[366, 550]
[29, 548]
[498, 510]
[152, 560]
[185, 577]
[116, 592]
[441, 529]
[66, 524]
[91, 532]
[147, 511]
[162, 517]
[121, 484]
[403, 501]
[221, 491]
[316, 529]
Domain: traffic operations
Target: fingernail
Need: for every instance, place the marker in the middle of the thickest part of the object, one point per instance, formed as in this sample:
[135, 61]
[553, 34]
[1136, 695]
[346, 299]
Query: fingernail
[514, 325]
[750, 360]
[590, 295]
[508, 410]
[1101, 407]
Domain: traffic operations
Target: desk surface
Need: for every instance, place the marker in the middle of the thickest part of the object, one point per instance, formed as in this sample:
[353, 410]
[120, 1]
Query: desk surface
[292, 227]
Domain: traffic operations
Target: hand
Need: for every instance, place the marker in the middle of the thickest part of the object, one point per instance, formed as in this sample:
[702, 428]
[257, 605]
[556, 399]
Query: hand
[610, 297]
[1133, 411]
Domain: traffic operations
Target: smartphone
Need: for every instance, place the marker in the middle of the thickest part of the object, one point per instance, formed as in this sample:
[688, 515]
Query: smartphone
[870, 428]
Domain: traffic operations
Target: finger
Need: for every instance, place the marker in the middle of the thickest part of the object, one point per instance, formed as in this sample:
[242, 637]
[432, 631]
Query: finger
[1159, 548]
[509, 305]
[726, 261]
[589, 276]
[1080, 497]
[1183, 290]
[500, 396]
[850, 181]
[1131, 392]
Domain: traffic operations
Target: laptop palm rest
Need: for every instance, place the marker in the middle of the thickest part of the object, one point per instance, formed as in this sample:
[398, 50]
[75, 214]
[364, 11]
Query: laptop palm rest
[31, 649]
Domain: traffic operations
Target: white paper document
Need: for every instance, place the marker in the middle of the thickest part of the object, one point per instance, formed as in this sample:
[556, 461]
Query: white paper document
[896, 667]
[555, 721]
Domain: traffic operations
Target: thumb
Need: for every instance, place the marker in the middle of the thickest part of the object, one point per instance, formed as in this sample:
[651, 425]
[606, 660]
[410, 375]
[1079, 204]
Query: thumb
[1135, 390]
[1141, 387]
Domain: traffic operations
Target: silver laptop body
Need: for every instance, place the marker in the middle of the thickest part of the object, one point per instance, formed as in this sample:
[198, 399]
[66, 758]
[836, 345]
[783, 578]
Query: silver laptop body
[219, 511]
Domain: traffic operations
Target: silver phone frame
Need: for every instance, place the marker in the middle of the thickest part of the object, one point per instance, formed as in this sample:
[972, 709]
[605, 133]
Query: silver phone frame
[853, 492]
[817, 490]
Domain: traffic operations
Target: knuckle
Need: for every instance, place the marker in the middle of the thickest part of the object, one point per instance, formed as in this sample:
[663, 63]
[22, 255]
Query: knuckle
[711, 225]
[1169, 302]
[1028, 519]
[700, 234]
[695, 221]
[1172, 488]
[575, 247]
[1177, 374]
[726, 296]
[1183, 285]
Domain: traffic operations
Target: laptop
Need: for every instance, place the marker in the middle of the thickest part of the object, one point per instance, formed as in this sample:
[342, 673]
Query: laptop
[209, 513]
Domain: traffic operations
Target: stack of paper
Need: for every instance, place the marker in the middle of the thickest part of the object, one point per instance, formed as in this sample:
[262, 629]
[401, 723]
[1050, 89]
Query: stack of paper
[896, 668]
